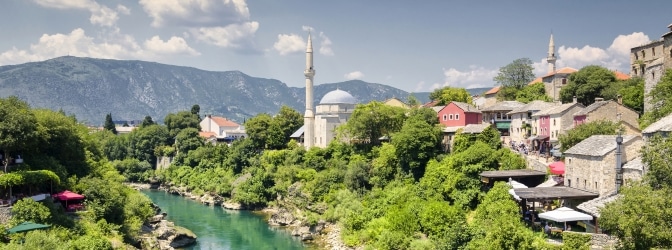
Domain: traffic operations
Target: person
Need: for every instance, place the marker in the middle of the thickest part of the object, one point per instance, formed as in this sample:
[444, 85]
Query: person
[547, 229]
[569, 227]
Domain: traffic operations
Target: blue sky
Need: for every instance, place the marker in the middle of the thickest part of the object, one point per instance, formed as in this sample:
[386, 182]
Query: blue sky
[411, 45]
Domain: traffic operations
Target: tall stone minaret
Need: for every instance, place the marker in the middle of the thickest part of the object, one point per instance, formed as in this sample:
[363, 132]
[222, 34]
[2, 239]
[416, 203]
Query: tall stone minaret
[309, 117]
[551, 56]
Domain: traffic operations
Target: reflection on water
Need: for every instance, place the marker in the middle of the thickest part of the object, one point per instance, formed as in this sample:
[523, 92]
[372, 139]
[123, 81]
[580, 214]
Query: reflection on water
[218, 228]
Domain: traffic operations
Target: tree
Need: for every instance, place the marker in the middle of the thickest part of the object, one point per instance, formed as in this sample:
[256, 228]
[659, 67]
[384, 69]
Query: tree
[533, 92]
[18, 127]
[28, 209]
[283, 125]
[373, 120]
[257, 129]
[413, 101]
[491, 136]
[187, 140]
[657, 155]
[660, 100]
[426, 114]
[632, 93]
[516, 74]
[587, 84]
[62, 139]
[196, 110]
[416, 143]
[449, 94]
[181, 120]
[641, 218]
[109, 124]
[583, 131]
[147, 121]
[144, 141]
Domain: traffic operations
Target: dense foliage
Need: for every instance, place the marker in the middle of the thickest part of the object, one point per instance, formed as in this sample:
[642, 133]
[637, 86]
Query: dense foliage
[516, 74]
[587, 84]
[583, 131]
[449, 94]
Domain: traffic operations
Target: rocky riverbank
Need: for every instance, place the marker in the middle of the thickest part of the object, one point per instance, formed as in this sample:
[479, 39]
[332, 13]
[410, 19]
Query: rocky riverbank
[159, 233]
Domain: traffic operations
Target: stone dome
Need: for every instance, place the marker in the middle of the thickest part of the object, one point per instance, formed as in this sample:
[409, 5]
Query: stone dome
[337, 97]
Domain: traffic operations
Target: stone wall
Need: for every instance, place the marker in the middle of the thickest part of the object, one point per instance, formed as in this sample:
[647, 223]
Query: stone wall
[602, 241]
[651, 76]
[606, 112]
[164, 162]
[5, 214]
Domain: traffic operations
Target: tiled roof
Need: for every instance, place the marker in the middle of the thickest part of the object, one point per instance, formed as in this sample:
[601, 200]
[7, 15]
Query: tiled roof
[466, 107]
[598, 145]
[565, 70]
[298, 133]
[621, 75]
[223, 122]
[452, 129]
[557, 109]
[533, 106]
[662, 125]
[493, 90]
[207, 134]
[635, 164]
[536, 80]
[430, 104]
[504, 106]
[593, 206]
[592, 107]
[438, 108]
[475, 128]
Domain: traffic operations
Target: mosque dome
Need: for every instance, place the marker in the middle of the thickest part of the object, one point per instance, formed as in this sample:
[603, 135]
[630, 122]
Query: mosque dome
[338, 97]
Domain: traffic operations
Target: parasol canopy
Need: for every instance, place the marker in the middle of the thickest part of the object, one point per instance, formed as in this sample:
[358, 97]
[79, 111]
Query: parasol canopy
[565, 214]
[68, 195]
[27, 226]
[557, 167]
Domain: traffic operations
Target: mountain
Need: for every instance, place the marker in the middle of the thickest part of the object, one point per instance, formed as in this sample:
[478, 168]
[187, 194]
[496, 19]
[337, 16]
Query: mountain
[90, 88]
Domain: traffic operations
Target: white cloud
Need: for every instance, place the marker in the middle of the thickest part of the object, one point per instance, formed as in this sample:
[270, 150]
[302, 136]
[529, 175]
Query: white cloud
[623, 43]
[307, 28]
[325, 45]
[100, 14]
[474, 77]
[196, 13]
[354, 75]
[289, 43]
[123, 9]
[114, 46]
[230, 36]
[174, 45]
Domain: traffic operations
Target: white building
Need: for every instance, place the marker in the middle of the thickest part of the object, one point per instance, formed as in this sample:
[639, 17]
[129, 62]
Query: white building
[223, 129]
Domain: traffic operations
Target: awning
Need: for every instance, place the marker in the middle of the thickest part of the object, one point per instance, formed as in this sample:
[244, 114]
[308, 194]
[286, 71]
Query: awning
[503, 125]
[68, 195]
[564, 214]
[26, 226]
[539, 137]
[557, 167]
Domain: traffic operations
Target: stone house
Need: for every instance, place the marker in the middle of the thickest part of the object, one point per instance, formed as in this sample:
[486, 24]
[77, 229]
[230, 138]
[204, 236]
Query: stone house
[650, 60]
[521, 119]
[609, 110]
[497, 115]
[662, 127]
[395, 102]
[554, 81]
[490, 97]
[555, 121]
[590, 164]
[459, 114]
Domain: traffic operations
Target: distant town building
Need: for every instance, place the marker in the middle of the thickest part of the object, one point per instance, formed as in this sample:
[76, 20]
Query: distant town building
[521, 119]
[554, 121]
[395, 102]
[497, 115]
[490, 97]
[224, 130]
[662, 127]
[610, 110]
[459, 114]
[650, 60]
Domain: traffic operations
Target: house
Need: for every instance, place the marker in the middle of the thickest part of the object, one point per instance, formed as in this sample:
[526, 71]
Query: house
[551, 122]
[590, 164]
[394, 102]
[224, 129]
[478, 101]
[555, 80]
[497, 115]
[475, 128]
[459, 114]
[125, 130]
[611, 111]
[490, 97]
[521, 119]
[662, 127]
[621, 76]
[430, 104]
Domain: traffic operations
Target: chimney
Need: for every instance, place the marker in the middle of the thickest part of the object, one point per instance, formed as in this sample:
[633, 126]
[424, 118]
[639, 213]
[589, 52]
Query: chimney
[620, 99]
[599, 99]
[574, 99]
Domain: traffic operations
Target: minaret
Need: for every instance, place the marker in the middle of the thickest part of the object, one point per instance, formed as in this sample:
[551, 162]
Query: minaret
[551, 56]
[309, 117]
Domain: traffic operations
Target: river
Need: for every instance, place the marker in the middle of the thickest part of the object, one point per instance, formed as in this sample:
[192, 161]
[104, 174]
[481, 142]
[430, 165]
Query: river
[218, 228]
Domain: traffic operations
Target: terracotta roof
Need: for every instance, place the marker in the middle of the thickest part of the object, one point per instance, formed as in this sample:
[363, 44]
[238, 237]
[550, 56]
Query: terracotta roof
[536, 80]
[466, 107]
[207, 134]
[557, 109]
[223, 122]
[598, 145]
[493, 90]
[592, 107]
[565, 70]
[504, 106]
[533, 106]
[430, 104]
[621, 75]
[662, 125]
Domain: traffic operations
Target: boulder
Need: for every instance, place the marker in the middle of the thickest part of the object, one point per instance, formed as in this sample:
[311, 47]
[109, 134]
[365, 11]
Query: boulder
[170, 236]
[281, 218]
[232, 205]
[306, 236]
[183, 237]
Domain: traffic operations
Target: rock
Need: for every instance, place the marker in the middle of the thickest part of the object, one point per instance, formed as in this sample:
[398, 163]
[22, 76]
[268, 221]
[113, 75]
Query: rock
[317, 229]
[183, 237]
[281, 218]
[232, 205]
[156, 218]
[306, 236]
[150, 243]
[170, 236]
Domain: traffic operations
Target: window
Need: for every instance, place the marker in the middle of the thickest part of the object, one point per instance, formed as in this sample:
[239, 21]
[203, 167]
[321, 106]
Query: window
[445, 117]
[643, 54]
[450, 117]
[564, 81]
[636, 56]
[457, 116]
[653, 74]
[653, 51]
[569, 160]
[584, 184]
[635, 70]
[577, 181]
[553, 122]
[569, 182]
[596, 185]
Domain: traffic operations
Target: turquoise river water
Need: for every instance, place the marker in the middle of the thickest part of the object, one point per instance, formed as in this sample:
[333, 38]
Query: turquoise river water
[218, 228]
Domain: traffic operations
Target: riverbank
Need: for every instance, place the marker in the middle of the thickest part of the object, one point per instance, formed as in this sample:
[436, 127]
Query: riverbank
[322, 235]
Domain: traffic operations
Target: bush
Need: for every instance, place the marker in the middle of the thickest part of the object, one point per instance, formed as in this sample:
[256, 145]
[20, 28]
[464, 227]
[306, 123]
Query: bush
[29, 210]
[572, 240]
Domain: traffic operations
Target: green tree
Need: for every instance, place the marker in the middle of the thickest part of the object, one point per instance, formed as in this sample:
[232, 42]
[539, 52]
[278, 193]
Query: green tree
[144, 141]
[187, 140]
[660, 100]
[147, 121]
[641, 218]
[17, 127]
[491, 136]
[28, 209]
[181, 120]
[413, 101]
[373, 120]
[656, 155]
[516, 74]
[533, 92]
[449, 94]
[257, 129]
[415, 144]
[507, 93]
[282, 126]
[587, 84]
[632, 93]
[109, 124]
[196, 110]
[63, 139]
[427, 114]
[583, 131]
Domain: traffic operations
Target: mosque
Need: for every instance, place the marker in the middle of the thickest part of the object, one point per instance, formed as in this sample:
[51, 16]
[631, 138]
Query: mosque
[334, 109]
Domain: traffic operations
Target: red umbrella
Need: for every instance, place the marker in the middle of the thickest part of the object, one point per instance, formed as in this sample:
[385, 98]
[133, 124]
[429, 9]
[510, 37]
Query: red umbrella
[68, 195]
[557, 167]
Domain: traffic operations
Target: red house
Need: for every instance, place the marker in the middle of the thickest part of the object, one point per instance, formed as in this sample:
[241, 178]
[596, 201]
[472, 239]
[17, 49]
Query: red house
[459, 114]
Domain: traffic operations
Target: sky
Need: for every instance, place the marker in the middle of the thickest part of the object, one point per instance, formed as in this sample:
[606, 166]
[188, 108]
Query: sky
[416, 46]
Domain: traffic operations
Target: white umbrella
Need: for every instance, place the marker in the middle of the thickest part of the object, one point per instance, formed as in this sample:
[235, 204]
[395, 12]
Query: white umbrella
[515, 184]
[565, 214]
[513, 193]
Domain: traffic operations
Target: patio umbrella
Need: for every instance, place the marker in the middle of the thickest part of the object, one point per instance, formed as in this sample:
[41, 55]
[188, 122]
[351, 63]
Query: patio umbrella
[565, 214]
[68, 195]
[26, 226]
[557, 167]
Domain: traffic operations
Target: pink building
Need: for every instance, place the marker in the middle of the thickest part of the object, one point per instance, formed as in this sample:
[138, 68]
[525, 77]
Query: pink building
[459, 114]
